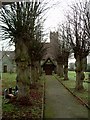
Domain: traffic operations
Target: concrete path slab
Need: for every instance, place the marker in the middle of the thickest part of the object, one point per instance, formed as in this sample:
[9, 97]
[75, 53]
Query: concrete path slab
[59, 103]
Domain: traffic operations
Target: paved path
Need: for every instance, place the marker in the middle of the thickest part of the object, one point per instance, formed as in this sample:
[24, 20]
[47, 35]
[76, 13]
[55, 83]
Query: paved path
[59, 103]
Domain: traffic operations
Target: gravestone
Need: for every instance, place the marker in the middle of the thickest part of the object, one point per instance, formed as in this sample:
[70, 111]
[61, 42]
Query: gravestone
[10, 90]
[5, 93]
[16, 90]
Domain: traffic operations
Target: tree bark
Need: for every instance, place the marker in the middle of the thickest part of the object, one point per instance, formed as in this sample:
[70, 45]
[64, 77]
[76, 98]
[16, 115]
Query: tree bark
[32, 72]
[37, 70]
[40, 69]
[79, 74]
[66, 70]
[23, 70]
[60, 69]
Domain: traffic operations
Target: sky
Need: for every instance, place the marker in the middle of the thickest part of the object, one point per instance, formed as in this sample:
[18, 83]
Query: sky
[57, 13]
[55, 16]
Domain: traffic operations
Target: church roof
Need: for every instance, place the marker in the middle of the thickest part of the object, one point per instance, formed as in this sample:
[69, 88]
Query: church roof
[10, 54]
[48, 61]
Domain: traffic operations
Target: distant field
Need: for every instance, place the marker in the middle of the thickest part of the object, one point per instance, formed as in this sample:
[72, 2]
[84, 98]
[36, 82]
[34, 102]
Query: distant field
[72, 75]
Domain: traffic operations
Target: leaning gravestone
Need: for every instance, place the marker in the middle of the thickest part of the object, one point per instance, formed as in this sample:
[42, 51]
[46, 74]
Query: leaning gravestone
[5, 93]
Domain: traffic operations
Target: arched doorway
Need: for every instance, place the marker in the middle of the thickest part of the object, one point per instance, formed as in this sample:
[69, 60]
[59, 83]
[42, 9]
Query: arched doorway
[48, 66]
[5, 68]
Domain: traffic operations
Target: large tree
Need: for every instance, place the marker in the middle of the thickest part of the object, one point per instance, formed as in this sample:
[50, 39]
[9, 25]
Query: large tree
[19, 22]
[79, 31]
[57, 52]
[36, 51]
[60, 60]
[64, 42]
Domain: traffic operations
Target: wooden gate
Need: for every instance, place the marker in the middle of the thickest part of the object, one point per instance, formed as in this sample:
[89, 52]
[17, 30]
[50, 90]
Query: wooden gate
[48, 69]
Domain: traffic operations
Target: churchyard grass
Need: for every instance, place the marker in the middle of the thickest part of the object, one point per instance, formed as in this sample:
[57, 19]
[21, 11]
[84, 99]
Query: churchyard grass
[15, 111]
[70, 84]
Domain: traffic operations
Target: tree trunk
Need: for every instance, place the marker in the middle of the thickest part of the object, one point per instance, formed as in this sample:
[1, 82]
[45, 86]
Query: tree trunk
[40, 69]
[66, 70]
[37, 70]
[32, 73]
[23, 70]
[60, 69]
[79, 74]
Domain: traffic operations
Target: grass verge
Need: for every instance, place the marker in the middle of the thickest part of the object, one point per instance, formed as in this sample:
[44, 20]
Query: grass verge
[14, 111]
[70, 84]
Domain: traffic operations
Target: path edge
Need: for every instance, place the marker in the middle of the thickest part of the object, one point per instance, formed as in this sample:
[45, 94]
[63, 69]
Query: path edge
[43, 101]
[78, 98]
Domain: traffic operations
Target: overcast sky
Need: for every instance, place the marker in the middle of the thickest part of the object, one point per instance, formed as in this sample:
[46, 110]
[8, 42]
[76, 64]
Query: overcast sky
[55, 15]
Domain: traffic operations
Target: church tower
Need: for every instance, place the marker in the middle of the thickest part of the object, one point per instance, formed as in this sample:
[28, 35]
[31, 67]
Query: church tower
[54, 43]
[53, 37]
